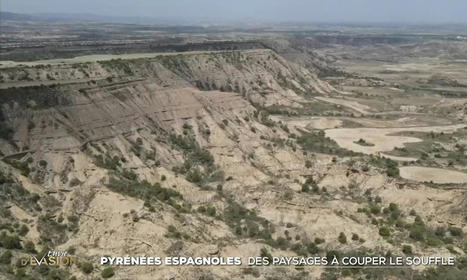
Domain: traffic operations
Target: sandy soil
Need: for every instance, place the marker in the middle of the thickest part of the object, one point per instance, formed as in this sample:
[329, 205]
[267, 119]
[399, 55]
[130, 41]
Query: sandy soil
[362, 109]
[398, 158]
[310, 122]
[401, 122]
[436, 175]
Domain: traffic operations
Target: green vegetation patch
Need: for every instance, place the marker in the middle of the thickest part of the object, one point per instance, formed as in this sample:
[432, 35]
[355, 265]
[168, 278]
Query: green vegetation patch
[43, 96]
[391, 166]
[317, 142]
[363, 142]
[12, 191]
[199, 167]
[433, 147]
[144, 190]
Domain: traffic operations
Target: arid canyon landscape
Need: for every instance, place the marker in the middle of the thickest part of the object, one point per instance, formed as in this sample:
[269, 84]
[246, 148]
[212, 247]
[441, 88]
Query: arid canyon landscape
[219, 140]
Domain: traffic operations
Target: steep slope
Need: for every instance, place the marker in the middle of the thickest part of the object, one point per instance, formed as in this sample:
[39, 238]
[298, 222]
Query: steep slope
[183, 124]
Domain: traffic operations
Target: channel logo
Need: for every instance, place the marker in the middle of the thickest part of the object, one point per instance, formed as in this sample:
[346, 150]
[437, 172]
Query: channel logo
[51, 258]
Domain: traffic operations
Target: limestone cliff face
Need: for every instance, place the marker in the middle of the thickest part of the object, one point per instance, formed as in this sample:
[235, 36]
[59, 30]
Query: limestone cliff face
[188, 122]
[101, 100]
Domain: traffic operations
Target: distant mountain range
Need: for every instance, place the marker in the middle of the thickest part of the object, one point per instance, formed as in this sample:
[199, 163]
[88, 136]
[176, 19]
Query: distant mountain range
[14, 16]
[84, 17]
[452, 28]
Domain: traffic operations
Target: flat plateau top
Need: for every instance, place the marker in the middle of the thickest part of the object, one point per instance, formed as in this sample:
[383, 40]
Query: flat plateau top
[106, 57]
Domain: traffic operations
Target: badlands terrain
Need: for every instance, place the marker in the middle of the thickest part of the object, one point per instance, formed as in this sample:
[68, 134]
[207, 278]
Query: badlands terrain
[197, 141]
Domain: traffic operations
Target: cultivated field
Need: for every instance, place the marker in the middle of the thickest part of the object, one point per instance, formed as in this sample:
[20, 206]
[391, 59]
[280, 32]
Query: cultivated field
[433, 175]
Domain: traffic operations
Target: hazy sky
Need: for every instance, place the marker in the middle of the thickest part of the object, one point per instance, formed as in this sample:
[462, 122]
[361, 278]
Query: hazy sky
[412, 11]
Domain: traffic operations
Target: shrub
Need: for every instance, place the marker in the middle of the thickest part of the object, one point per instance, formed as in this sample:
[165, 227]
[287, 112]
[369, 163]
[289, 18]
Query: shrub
[129, 174]
[107, 162]
[51, 231]
[264, 253]
[455, 231]
[392, 171]
[187, 126]
[194, 175]
[107, 272]
[315, 189]
[282, 243]
[342, 238]
[393, 207]
[440, 231]
[417, 232]
[355, 237]
[433, 240]
[211, 211]
[312, 248]
[5, 258]
[288, 195]
[319, 240]
[375, 209]
[236, 215]
[310, 183]
[21, 165]
[75, 182]
[195, 154]
[384, 231]
[10, 241]
[407, 249]
[29, 247]
[390, 165]
[171, 228]
[86, 267]
[23, 230]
